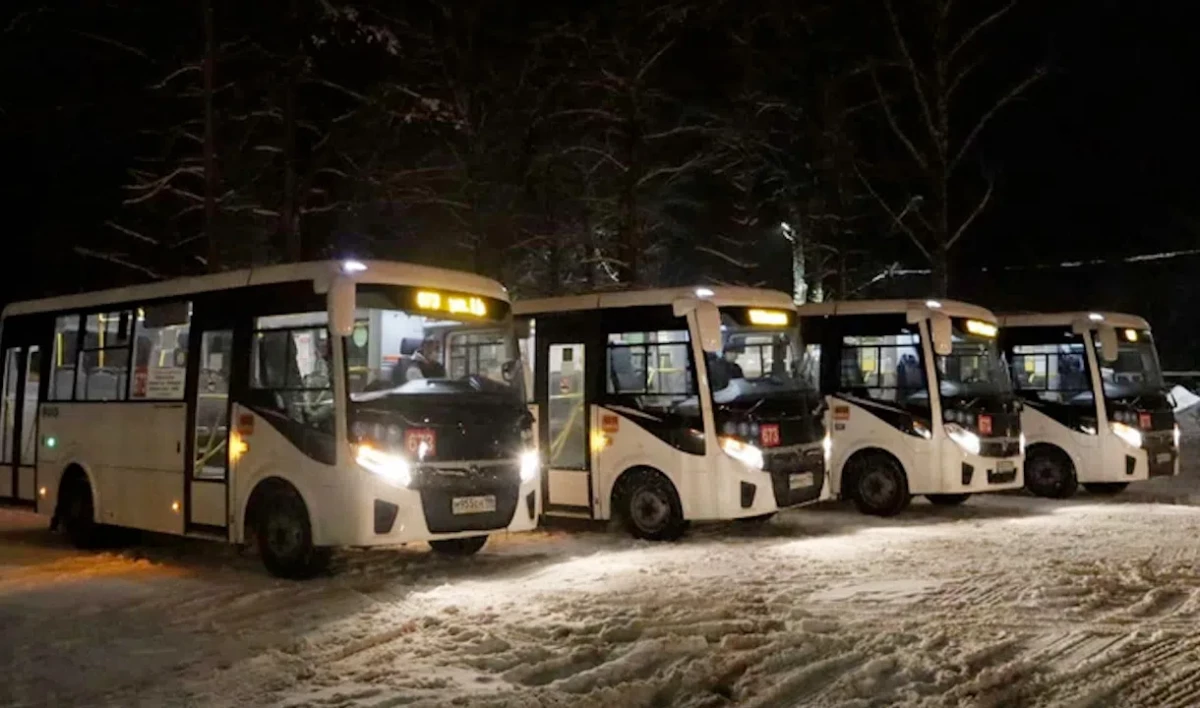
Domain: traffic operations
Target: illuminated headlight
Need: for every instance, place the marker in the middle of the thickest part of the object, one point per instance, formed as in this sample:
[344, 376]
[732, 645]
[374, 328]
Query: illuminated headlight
[1130, 435]
[530, 464]
[921, 429]
[1022, 439]
[393, 468]
[745, 453]
[827, 446]
[964, 438]
[1177, 435]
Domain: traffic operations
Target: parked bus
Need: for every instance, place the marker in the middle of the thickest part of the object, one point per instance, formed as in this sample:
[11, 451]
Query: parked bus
[300, 407]
[920, 401]
[662, 407]
[1097, 411]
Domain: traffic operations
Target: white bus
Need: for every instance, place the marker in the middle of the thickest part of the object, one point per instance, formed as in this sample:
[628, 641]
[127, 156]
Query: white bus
[1097, 411]
[662, 407]
[300, 407]
[920, 401]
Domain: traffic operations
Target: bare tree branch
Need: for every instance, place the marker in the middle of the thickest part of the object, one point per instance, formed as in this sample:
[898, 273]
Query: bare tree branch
[970, 34]
[896, 218]
[915, 75]
[131, 233]
[895, 126]
[962, 229]
[116, 259]
[1007, 98]
[112, 43]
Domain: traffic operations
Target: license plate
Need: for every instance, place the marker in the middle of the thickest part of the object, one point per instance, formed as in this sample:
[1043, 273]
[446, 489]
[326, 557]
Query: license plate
[800, 480]
[1163, 457]
[473, 505]
[420, 442]
[1005, 466]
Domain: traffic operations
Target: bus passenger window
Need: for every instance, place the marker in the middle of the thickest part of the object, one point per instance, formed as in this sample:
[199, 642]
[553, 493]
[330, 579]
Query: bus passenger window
[1052, 372]
[62, 367]
[293, 365]
[653, 367]
[160, 352]
[885, 368]
[103, 373]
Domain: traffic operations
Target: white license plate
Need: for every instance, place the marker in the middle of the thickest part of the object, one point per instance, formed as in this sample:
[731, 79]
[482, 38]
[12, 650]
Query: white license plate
[1005, 466]
[1163, 457]
[800, 480]
[473, 505]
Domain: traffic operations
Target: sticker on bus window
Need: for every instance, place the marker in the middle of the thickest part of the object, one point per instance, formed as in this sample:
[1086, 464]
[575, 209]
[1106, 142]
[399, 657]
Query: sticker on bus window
[1144, 420]
[610, 423]
[768, 435]
[985, 425]
[841, 412]
[420, 442]
[140, 376]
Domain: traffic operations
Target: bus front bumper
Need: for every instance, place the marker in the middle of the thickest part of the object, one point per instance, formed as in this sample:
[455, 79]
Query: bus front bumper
[964, 473]
[452, 507]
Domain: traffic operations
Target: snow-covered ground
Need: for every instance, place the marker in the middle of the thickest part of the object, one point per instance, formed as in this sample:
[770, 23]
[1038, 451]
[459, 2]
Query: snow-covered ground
[1008, 600]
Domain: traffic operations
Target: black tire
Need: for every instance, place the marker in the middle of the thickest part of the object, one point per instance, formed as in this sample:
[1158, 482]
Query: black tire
[284, 536]
[947, 499]
[77, 514]
[1105, 488]
[459, 546]
[1049, 473]
[650, 507]
[879, 486]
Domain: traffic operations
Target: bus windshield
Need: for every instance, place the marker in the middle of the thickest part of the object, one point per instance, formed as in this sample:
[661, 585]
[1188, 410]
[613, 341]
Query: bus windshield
[400, 348]
[756, 361]
[1136, 371]
[975, 366]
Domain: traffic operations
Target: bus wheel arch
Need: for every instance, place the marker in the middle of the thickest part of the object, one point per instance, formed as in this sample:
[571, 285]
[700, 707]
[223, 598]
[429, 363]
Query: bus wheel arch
[75, 506]
[1050, 471]
[278, 519]
[648, 504]
[876, 481]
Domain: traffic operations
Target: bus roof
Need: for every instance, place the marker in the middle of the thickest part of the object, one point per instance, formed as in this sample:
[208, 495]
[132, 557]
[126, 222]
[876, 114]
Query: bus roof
[719, 295]
[953, 308]
[385, 272]
[1069, 319]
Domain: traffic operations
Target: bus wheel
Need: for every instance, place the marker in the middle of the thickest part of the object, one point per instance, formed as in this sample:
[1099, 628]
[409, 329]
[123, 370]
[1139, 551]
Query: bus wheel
[947, 499]
[651, 508]
[284, 536]
[1049, 473]
[880, 486]
[459, 546]
[78, 514]
[1105, 488]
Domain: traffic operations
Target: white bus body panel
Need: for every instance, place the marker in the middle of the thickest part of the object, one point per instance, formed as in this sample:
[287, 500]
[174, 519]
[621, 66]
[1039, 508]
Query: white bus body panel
[709, 485]
[132, 454]
[933, 466]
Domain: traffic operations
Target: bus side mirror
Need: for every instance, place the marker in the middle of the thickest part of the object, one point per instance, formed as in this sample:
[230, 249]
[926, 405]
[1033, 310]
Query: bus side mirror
[1108, 343]
[942, 333]
[708, 321]
[341, 306]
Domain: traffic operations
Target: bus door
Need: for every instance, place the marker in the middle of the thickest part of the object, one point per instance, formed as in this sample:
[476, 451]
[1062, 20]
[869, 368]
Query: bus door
[564, 421]
[18, 417]
[211, 353]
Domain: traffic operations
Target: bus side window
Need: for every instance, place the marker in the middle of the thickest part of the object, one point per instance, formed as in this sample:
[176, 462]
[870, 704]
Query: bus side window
[62, 366]
[884, 368]
[291, 371]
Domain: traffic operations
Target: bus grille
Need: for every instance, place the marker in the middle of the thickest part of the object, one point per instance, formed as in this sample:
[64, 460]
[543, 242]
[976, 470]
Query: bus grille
[1000, 447]
[439, 486]
[781, 465]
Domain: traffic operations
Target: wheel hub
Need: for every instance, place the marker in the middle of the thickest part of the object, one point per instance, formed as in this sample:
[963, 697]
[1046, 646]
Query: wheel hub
[649, 509]
[877, 487]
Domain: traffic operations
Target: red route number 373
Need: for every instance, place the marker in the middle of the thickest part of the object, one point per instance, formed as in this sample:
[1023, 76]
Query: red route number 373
[768, 435]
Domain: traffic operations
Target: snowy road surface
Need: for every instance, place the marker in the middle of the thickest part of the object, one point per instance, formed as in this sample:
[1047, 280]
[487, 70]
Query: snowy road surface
[1008, 600]
[1005, 601]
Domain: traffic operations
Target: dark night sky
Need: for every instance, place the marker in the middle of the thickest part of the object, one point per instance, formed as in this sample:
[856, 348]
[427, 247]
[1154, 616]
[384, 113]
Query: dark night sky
[1097, 161]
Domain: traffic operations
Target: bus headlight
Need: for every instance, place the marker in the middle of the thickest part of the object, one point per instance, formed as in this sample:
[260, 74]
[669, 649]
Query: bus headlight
[393, 468]
[827, 447]
[1177, 435]
[745, 453]
[964, 438]
[530, 464]
[1129, 434]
